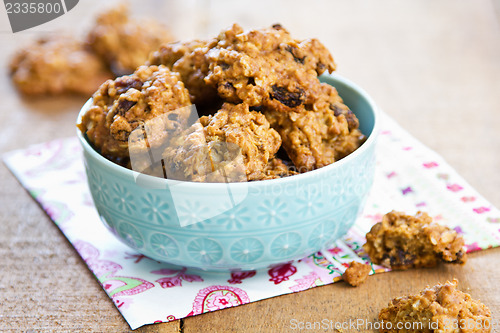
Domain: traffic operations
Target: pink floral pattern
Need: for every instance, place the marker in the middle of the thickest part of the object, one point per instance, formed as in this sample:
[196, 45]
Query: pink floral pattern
[105, 271]
[430, 165]
[167, 319]
[306, 282]
[407, 190]
[335, 250]
[137, 257]
[282, 272]
[472, 247]
[237, 277]
[56, 179]
[454, 187]
[58, 212]
[122, 303]
[481, 210]
[391, 174]
[176, 279]
[218, 297]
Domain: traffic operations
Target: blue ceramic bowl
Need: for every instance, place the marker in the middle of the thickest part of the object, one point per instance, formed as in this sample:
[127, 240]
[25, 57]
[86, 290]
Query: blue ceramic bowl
[220, 226]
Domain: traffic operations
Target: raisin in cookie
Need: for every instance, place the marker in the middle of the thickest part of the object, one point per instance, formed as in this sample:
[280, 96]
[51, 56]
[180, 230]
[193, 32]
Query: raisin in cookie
[57, 64]
[122, 105]
[318, 137]
[441, 308]
[125, 43]
[267, 68]
[402, 241]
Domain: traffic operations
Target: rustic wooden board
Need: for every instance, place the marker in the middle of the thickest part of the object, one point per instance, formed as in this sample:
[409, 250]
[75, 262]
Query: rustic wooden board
[432, 65]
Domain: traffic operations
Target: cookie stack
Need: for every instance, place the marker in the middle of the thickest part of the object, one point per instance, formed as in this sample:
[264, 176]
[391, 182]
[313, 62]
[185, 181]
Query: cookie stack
[257, 91]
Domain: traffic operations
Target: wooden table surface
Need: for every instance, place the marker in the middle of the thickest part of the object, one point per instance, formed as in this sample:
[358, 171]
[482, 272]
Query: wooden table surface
[433, 65]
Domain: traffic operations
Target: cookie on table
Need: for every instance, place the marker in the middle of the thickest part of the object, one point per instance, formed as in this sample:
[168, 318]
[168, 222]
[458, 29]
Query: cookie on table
[123, 42]
[441, 308]
[57, 64]
[402, 241]
[189, 60]
[356, 273]
[152, 95]
[319, 137]
[234, 143]
[267, 67]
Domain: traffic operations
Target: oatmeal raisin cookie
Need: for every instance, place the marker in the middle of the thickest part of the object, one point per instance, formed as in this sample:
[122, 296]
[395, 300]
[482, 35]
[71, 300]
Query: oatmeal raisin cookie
[125, 43]
[120, 106]
[277, 75]
[189, 60]
[235, 141]
[402, 241]
[441, 308]
[267, 68]
[57, 64]
[319, 137]
[264, 67]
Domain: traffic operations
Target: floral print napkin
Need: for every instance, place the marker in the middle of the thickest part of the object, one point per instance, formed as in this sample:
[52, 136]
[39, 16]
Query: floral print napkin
[409, 177]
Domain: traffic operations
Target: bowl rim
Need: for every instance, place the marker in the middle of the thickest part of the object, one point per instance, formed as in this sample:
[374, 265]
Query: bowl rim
[120, 170]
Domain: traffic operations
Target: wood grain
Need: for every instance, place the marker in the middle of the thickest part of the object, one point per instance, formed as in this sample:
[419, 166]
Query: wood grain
[432, 65]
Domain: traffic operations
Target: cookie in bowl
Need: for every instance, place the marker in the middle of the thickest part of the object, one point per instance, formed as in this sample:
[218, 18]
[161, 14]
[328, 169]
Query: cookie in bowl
[234, 139]
[267, 73]
[123, 104]
[249, 184]
[222, 226]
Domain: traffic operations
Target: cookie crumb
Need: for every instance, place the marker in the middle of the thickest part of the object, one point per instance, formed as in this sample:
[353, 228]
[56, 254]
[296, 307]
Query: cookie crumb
[356, 274]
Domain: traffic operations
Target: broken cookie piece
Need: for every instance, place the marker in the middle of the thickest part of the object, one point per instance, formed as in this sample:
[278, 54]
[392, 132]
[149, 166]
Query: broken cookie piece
[356, 274]
[402, 241]
[441, 308]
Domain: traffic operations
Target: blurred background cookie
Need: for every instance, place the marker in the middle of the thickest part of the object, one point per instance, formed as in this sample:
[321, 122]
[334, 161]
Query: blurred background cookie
[57, 64]
[124, 43]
